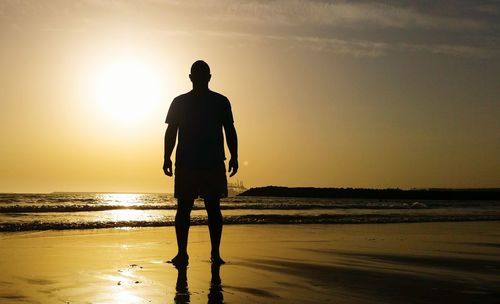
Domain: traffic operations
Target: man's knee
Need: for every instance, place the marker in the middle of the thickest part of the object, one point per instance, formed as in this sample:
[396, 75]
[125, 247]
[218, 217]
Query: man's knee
[213, 207]
[212, 204]
[184, 206]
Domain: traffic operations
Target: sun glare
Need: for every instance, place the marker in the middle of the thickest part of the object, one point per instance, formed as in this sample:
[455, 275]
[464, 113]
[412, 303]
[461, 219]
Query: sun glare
[127, 88]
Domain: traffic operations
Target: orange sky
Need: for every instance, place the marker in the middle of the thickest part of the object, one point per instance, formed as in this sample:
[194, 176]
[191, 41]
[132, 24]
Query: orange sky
[324, 94]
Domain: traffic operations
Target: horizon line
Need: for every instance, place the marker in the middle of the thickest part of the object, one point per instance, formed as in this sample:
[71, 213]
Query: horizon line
[354, 188]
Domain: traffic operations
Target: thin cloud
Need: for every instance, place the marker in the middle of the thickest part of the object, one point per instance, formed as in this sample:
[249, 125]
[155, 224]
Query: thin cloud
[355, 48]
[270, 13]
[317, 13]
[346, 28]
[454, 50]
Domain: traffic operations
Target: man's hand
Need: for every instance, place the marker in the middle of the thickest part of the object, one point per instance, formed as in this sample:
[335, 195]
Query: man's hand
[167, 167]
[233, 167]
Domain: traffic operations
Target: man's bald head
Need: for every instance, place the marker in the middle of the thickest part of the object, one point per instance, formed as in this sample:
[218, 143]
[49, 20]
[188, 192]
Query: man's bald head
[200, 74]
[200, 67]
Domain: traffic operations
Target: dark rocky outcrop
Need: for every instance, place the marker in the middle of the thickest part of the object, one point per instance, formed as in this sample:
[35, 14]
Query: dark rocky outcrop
[423, 194]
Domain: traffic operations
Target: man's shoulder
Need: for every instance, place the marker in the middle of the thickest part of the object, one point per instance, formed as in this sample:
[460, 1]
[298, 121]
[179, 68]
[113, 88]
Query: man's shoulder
[219, 97]
[213, 97]
[181, 97]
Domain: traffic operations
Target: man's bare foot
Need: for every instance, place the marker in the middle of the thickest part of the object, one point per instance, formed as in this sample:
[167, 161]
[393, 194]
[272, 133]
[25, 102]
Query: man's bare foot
[217, 260]
[180, 260]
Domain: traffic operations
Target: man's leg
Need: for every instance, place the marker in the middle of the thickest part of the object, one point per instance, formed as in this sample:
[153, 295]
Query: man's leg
[182, 223]
[215, 227]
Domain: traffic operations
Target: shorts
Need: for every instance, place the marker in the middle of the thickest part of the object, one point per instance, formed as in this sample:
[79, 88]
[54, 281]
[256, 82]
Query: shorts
[204, 183]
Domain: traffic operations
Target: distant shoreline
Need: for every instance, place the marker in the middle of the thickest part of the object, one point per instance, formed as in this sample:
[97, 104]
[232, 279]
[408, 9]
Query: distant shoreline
[364, 193]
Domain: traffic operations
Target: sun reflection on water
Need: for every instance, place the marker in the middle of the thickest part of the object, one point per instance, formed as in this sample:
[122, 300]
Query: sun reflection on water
[125, 296]
[121, 199]
[123, 290]
[127, 215]
[125, 200]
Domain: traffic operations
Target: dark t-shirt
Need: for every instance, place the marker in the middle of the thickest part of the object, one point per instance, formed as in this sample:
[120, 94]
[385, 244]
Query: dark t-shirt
[200, 119]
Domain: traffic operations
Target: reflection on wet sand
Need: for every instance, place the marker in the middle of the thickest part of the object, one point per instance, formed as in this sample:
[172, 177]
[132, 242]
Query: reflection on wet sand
[182, 295]
[215, 293]
[181, 286]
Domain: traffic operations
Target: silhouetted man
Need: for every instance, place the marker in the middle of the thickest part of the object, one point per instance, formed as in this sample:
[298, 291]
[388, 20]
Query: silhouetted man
[198, 118]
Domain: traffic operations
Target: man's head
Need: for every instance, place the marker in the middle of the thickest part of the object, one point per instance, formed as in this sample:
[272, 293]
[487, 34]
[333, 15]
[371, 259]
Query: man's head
[200, 73]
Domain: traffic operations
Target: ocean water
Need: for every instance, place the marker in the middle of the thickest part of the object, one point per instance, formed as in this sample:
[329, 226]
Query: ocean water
[25, 212]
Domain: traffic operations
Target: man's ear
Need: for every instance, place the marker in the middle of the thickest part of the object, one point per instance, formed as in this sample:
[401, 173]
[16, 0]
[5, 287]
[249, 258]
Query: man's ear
[209, 77]
[191, 77]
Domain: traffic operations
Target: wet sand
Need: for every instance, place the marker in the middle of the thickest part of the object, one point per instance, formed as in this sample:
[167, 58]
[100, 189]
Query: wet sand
[372, 263]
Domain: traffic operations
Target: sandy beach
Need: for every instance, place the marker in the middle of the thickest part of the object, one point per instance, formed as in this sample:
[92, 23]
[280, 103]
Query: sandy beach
[372, 263]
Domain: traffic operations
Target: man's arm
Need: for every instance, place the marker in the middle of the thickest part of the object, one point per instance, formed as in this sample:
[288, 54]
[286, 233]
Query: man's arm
[170, 137]
[232, 144]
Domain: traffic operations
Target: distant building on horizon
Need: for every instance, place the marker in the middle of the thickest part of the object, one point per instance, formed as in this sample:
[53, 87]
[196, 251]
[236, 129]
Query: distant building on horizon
[235, 188]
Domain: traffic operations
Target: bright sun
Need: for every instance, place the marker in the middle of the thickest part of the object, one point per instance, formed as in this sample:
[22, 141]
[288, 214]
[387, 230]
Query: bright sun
[128, 88]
